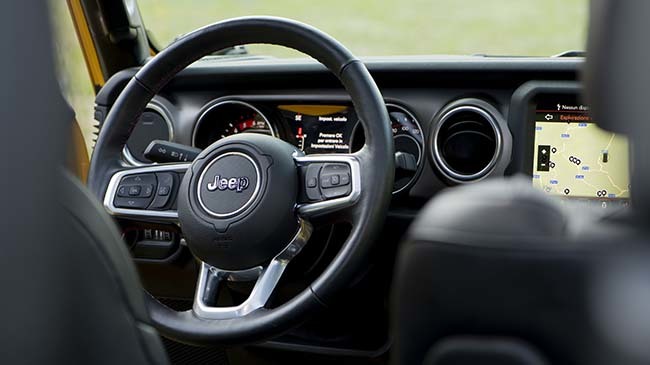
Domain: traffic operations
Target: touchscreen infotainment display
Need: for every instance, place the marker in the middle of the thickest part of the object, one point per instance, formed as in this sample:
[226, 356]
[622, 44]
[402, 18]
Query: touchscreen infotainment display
[574, 158]
[320, 128]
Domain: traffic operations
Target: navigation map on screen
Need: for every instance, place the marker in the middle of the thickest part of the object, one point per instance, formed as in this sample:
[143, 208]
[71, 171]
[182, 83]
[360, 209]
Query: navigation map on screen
[574, 158]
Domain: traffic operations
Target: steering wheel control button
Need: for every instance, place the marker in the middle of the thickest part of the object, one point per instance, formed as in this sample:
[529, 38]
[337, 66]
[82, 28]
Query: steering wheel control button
[166, 183]
[335, 180]
[334, 174]
[311, 182]
[229, 184]
[336, 192]
[131, 203]
[146, 191]
[135, 190]
[326, 181]
[123, 191]
[139, 179]
[345, 179]
[164, 190]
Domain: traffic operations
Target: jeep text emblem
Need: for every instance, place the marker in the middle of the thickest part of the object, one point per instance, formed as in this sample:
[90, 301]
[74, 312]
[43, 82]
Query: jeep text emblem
[229, 184]
[237, 184]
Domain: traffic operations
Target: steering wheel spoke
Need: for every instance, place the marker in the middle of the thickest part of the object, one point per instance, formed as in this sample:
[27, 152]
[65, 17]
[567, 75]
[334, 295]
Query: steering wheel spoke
[145, 193]
[329, 183]
[266, 277]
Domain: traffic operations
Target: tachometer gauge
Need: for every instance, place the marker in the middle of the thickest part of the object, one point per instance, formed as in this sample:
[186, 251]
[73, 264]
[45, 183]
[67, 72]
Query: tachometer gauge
[250, 122]
[227, 118]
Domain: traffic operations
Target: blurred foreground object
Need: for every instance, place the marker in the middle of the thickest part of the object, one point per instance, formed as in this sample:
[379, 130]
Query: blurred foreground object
[65, 300]
[497, 273]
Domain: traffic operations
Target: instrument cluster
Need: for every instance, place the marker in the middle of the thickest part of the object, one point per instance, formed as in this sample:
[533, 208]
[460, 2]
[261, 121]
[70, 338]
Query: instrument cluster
[314, 128]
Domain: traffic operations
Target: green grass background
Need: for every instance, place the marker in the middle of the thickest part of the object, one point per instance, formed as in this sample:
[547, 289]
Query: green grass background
[367, 27]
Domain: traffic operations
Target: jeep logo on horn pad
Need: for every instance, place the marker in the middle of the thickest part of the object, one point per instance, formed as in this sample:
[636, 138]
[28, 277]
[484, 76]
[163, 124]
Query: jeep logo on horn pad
[237, 184]
[228, 184]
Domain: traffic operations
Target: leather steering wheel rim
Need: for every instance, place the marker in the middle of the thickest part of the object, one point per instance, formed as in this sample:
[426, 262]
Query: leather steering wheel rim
[376, 159]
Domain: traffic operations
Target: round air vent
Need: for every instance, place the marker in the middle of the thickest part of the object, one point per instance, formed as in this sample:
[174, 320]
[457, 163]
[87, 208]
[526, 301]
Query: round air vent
[466, 141]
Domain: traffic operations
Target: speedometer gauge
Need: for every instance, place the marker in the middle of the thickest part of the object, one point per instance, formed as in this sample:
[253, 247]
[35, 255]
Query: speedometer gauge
[409, 143]
[409, 146]
[228, 118]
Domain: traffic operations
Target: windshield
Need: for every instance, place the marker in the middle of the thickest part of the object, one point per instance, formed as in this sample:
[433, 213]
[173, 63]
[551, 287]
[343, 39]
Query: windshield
[397, 27]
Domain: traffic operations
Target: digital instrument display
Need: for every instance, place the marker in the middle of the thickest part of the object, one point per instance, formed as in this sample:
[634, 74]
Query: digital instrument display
[320, 128]
[574, 158]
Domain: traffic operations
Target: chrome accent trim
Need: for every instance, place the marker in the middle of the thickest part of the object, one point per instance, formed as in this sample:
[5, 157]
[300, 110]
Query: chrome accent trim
[220, 103]
[111, 192]
[130, 159]
[328, 206]
[126, 153]
[258, 184]
[267, 279]
[442, 165]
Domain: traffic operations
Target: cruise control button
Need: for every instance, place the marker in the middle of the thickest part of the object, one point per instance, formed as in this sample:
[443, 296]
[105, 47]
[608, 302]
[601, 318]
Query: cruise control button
[131, 203]
[147, 191]
[135, 190]
[345, 179]
[164, 190]
[335, 179]
[123, 191]
[166, 183]
[139, 179]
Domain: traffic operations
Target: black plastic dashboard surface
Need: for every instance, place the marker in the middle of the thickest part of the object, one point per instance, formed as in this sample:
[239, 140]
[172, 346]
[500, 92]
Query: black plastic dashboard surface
[421, 85]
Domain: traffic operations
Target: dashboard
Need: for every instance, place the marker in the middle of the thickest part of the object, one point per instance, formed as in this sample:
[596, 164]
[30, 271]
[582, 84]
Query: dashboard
[477, 122]
[312, 128]
[511, 117]
[455, 121]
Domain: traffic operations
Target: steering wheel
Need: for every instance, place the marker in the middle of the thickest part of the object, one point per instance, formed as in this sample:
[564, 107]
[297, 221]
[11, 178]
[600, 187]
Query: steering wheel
[247, 203]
